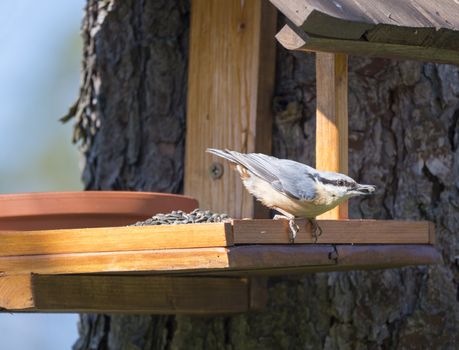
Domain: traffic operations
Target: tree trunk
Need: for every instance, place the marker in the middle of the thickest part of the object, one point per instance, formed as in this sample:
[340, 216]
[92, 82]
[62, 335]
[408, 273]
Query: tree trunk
[404, 138]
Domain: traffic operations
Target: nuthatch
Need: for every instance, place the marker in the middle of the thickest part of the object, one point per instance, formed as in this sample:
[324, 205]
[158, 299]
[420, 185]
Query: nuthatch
[291, 188]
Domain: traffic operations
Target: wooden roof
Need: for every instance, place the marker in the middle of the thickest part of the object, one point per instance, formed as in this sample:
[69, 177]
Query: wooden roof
[405, 29]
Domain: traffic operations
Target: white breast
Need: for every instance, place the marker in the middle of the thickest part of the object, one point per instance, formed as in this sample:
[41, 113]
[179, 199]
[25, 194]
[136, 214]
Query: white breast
[266, 194]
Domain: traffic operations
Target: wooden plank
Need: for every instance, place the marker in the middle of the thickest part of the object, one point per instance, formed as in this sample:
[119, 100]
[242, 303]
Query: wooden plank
[347, 258]
[168, 260]
[166, 238]
[108, 239]
[230, 84]
[236, 258]
[355, 19]
[293, 40]
[200, 294]
[258, 257]
[322, 22]
[16, 292]
[332, 120]
[134, 293]
[141, 294]
[381, 257]
[334, 232]
[416, 30]
[388, 34]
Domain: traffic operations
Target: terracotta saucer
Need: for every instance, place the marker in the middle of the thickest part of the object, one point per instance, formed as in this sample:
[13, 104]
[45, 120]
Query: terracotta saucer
[55, 210]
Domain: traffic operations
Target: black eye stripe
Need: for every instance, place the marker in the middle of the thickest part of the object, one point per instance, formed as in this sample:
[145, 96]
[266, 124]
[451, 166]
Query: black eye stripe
[336, 182]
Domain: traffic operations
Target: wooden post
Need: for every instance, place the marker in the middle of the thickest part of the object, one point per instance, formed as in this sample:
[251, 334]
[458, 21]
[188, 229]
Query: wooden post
[230, 84]
[332, 119]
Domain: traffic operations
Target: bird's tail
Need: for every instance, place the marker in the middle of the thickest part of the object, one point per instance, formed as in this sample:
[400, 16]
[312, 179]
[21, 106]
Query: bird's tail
[227, 154]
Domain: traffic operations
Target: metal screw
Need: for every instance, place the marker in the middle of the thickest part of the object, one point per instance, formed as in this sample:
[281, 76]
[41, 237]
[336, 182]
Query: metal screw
[216, 170]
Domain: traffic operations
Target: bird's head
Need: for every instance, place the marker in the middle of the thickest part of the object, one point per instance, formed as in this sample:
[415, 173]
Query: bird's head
[335, 187]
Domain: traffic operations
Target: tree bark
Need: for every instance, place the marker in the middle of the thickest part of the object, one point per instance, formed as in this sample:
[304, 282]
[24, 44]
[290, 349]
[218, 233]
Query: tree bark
[404, 138]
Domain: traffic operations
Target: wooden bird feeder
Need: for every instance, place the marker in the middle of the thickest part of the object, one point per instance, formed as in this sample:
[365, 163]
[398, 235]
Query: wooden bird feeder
[220, 268]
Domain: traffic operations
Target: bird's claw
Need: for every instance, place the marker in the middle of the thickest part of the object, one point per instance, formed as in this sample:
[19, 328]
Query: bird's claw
[315, 229]
[294, 228]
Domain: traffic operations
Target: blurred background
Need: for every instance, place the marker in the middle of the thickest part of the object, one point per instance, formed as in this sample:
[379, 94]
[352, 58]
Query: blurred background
[40, 53]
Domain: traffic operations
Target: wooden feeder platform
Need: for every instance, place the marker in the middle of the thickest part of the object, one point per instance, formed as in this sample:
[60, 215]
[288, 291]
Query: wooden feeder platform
[220, 268]
[193, 268]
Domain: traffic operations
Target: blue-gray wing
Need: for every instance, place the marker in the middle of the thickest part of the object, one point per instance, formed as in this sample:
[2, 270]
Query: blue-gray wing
[295, 180]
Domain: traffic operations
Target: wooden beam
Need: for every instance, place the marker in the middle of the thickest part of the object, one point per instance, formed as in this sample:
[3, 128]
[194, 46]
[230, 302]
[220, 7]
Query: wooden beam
[107, 239]
[413, 13]
[166, 238]
[254, 257]
[417, 23]
[384, 256]
[345, 258]
[16, 292]
[230, 84]
[141, 294]
[250, 260]
[167, 260]
[133, 292]
[334, 232]
[291, 39]
[332, 120]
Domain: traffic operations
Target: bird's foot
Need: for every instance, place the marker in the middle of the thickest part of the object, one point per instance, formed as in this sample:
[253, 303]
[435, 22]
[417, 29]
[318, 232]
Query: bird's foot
[294, 228]
[315, 229]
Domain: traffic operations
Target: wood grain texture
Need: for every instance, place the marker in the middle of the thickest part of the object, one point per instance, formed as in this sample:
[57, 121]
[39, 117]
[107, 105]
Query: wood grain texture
[170, 239]
[107, 239]
[235, 259]
[352, 258]
[383, 256]
[16, 292]
[200, 295]
[420, 23]
[413, 13]
[292, 39]
[231, 77]
[189, 293]
[240, 260]
[332, 120]
[329, 258]
[271, 257]
[141, 294]
[334, 232]
[168, 260]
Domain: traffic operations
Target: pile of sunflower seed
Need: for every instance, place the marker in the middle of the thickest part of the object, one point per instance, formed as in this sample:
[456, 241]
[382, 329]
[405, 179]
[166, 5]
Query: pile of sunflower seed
[178, 217]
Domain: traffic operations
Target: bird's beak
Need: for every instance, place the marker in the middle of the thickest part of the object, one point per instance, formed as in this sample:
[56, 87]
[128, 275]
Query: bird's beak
[364, 189]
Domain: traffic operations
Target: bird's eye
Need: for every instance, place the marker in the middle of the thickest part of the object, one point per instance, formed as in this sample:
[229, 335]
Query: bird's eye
[340, 183]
